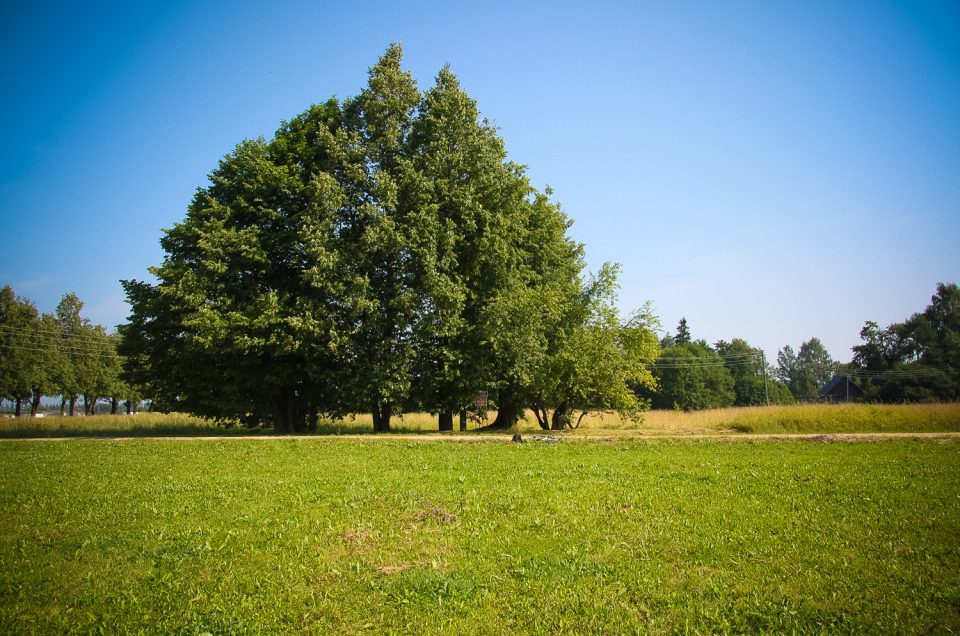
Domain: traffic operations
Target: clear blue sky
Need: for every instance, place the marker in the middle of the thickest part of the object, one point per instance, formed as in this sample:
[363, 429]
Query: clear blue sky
[772, 171]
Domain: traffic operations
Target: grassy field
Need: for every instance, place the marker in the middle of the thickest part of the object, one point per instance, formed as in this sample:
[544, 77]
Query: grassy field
[348, 536]
[849, 418]
[139, 425]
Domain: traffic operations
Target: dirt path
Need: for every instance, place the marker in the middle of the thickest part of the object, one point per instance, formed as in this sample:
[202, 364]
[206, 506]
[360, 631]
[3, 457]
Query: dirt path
[507, 438]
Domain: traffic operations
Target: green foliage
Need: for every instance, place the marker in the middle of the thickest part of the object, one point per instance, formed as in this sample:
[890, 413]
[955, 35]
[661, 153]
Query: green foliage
[683, 333]
[916, 360]
[327, 536]
[778, 392]
[591, 361]
[54, 354]
[368, 257]
[88, 364]
[692, 376]
[19, 364]
[807, 371]
[745, 364]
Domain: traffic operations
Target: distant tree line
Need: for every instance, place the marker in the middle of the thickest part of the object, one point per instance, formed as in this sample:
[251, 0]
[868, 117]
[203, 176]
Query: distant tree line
[911, 361]
[693, 375]
[59, 354]
[914, 360]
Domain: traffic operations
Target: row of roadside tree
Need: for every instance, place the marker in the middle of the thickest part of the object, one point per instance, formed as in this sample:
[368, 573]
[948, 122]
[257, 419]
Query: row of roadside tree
[58, 354]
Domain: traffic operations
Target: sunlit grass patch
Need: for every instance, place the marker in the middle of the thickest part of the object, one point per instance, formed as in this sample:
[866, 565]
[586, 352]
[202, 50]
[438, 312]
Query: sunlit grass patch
[799, 418]
[140, 424]
[849, 418]
[328, 535]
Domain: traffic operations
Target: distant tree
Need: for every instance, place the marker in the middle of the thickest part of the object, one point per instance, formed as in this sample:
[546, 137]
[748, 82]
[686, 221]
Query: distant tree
[745, 364]
[18, 355]
[47, 360]
[937, 332]
[916, 360]
[692, 376]
[815, 367]
[683, 333]
[779, 393]
[807, 371]
[98, 368]
[786, 368]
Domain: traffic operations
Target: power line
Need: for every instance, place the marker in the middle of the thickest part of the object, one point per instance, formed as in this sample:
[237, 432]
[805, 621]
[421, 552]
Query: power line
[28, 331]
[95, 354]
[62, 347]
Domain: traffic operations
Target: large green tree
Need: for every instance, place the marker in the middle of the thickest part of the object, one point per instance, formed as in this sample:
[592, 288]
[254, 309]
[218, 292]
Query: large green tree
[237, 326]
[472, 218]
[362, 259]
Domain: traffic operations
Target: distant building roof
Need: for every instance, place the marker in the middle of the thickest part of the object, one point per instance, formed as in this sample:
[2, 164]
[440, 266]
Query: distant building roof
[841, 387]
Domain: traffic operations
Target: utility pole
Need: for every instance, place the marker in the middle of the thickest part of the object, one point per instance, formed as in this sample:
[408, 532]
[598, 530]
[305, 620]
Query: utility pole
[763, 363]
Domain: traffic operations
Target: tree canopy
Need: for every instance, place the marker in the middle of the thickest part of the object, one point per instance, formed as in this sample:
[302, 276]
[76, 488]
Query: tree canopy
[915, 360]
[692, 376]
[379, 253]
[55, 354]
[806, 371]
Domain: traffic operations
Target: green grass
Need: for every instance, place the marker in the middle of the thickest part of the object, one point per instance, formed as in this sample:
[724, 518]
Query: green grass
[346, 536]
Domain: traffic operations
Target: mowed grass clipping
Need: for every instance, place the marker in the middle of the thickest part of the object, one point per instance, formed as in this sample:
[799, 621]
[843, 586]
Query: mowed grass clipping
[347, 536]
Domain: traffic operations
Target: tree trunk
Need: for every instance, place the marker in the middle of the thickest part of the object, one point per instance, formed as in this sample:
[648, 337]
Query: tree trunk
[129, 405]
[114, 405]
[561, 418]
[381, 412]
[73, 405]
[289, 413]
[17, 412]
[543, 418]
[63, 405]
[463, 420]
[508, 411]
[281, 425]
[35, 403]
[445, 420]
[579, 419]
